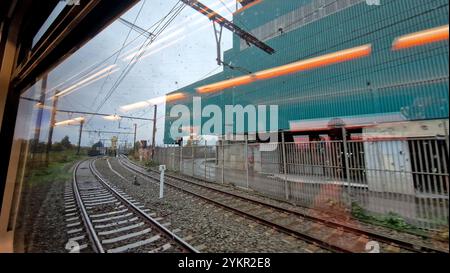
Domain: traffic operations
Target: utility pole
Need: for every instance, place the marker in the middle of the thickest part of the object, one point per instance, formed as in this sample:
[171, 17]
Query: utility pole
[51, 126]
[79, 136]
[134, 140]
[154, 131]
[37, 129]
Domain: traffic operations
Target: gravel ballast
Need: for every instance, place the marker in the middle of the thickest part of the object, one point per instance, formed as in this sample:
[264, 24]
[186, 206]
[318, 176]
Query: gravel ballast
[342, 217]
[205, 226]
[42, 224]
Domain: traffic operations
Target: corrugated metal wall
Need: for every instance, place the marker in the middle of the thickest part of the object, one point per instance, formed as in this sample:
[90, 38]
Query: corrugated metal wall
[413, 82]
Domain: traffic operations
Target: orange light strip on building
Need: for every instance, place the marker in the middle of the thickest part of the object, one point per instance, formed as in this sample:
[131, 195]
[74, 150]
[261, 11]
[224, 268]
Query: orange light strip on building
[428, 36]
[175, 96]
[321, 61]
[248, 6]
[226, 84]
[317, 62]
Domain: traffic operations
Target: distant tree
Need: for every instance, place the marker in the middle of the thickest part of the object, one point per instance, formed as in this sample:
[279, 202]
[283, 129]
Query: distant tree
[65, 142]
[37, 148]
[57, 147]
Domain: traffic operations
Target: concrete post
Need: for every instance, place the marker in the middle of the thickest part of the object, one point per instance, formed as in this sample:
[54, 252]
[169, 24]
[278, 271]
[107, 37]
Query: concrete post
[162, 168]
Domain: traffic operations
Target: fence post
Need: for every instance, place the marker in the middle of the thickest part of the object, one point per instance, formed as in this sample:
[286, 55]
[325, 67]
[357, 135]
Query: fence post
[283, 146]
[446, 135]
[223, 162]
[170, 156]
[346, 162]
[246, 158]
[181, 158]
[216, 160]
[204, 151]
[159, 155]
[193, 158]
[172, 150]
[165, 155]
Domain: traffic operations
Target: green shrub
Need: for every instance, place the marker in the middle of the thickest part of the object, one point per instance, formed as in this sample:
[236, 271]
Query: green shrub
[150, 164]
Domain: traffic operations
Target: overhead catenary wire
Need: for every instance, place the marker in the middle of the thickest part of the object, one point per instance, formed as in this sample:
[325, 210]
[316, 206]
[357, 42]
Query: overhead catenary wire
[98, 64]
[135, 27]
[176, 11]
[159, 26]
[93, 67]
[238, 68]
[118, 54]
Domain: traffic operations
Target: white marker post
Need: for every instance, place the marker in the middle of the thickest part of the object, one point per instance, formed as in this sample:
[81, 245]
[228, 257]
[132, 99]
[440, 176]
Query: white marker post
[162, 168]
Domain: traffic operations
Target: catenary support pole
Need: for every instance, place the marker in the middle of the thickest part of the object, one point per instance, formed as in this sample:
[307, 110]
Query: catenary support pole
[134, 138]
[154, 131]
[79, 136]
[37, 128]
[51, 126]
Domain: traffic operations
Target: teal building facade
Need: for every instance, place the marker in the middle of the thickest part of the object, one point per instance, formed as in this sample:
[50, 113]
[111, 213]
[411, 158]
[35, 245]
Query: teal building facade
[386, 86]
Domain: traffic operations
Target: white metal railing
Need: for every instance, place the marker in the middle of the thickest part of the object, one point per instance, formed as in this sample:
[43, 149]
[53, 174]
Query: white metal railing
[405, 178]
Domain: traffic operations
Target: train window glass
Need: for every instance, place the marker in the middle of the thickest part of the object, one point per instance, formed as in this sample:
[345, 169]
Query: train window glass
[50, 19]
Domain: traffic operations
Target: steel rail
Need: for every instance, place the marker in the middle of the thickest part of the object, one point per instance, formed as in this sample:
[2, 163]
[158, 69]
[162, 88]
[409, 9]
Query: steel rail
[380, 237]
[140, 212]
[302, 236]
[96, 243]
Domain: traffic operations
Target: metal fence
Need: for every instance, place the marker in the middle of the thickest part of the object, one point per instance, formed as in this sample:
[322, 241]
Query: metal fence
[402, 178]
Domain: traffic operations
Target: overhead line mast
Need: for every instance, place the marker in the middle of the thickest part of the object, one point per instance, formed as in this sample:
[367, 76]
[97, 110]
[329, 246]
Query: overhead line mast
[216, 18]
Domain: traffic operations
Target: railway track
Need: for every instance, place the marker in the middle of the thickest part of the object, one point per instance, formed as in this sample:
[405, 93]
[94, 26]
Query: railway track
[114, 222]
[326, 234]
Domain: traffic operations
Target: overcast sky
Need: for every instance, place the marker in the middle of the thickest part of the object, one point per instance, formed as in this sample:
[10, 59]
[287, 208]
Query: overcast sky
[183, 54]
